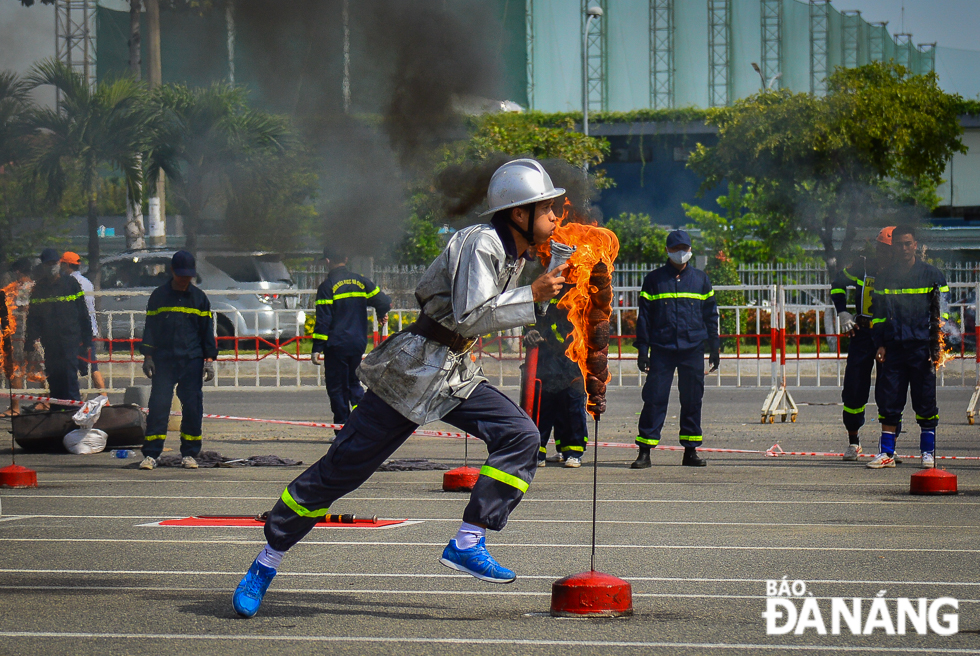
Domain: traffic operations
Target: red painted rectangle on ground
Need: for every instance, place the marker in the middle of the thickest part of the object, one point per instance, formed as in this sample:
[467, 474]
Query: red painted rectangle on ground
[230, 520]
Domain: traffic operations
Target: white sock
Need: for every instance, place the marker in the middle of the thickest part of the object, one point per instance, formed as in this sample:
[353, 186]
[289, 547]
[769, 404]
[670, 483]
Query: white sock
[468, 535]
[270, 557]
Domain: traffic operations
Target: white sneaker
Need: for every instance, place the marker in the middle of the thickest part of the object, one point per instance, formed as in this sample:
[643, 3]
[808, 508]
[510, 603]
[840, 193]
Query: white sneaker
[928, 460]
[555, 458]
[852, 453]
[881, 461]
[573, 462]
[148, 463]
[188, 463]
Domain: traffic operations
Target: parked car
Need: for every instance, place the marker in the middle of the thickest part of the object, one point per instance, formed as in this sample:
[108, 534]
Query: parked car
[258, 284]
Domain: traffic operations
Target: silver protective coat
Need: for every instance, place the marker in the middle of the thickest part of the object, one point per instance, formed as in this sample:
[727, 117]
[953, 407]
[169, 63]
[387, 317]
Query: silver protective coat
[470, 289]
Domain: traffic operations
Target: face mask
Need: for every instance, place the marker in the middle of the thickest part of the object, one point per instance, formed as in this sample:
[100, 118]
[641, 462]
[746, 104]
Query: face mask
[55, 270]
[679, 257]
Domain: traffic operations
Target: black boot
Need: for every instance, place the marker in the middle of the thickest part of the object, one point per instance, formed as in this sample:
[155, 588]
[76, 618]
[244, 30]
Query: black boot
[691, 458]
[642, 460]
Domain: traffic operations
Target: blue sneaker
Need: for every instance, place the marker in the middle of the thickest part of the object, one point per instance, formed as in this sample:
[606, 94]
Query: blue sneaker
[476, 561]
[248, 596]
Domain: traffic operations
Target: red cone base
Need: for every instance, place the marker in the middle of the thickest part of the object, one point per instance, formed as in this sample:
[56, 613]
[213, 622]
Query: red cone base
[17, 476]
[591, 593]
[933, 481]
[461, 479]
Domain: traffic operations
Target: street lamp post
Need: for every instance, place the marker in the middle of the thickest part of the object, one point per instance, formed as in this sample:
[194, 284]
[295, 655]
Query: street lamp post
[767, 87]
[593, 13]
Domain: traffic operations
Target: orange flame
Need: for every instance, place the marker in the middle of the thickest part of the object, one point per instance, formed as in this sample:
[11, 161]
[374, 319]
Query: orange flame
[944, 354]
[6, 334]
[593, 245]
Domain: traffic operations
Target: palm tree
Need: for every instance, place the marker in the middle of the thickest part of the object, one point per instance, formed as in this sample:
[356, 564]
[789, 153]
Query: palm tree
[14, 105]
[202, 136]
[93, 128]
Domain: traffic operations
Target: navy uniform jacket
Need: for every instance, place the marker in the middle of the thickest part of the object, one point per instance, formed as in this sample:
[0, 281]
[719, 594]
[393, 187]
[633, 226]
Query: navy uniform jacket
[179, 324]
[555, 370]
[677, 310]
[341, 310]
[852, 276]
[58, 315]
[901, 303]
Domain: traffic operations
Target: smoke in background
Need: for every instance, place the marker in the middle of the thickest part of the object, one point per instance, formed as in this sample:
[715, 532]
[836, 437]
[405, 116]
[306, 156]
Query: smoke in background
[438, 54]
[463, 187]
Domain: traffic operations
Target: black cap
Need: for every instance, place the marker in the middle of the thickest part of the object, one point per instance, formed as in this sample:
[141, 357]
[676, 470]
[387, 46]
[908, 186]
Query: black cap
[678, 238]
[183, 264]
[50, 255]
[333, 253]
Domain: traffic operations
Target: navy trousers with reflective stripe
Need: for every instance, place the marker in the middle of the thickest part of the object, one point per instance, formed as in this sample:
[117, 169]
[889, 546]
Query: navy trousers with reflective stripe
[907, 369]
[375, 431]
[340, 376]
[61, 370]
[188, 375]
[689, 364]
[857, 379]
[564, 412]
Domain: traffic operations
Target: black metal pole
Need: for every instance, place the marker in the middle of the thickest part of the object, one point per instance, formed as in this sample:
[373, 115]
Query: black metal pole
[466, 449]
[595, 482]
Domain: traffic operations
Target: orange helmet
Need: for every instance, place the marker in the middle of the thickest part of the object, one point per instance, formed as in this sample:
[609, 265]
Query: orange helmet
[885, 235]
[75, 259]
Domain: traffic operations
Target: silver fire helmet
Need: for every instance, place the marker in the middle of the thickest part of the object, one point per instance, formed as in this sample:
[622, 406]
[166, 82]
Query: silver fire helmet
[519, 182]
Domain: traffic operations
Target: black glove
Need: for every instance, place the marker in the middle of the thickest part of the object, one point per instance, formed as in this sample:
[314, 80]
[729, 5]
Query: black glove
[533, 339]
[643, 361]
[148, 367]
[714, 359]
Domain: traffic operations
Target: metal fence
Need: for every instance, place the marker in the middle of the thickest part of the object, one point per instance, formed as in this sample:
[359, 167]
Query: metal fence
[271, 348]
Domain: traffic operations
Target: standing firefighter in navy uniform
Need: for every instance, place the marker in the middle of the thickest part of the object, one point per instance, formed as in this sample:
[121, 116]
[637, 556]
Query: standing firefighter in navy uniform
[425, 374]
[58, 317]
[563, 398]
[677, 316]
[179, 350]
[861, 275]
[907, 296]
[340, 335]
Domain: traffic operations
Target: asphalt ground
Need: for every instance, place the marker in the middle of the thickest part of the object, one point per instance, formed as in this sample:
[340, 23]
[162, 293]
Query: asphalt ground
[86, 570]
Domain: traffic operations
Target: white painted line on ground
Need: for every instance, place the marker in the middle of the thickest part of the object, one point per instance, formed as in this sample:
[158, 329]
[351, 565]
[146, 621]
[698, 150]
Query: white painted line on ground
[483, 592]
[455, 642]
[412, 575]
[465, 499]
[183, 481]
[402, 524]
[455, 520]
[359, 544]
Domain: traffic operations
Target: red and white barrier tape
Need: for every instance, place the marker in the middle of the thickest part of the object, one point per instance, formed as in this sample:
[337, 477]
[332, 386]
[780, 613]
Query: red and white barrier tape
[774, 451]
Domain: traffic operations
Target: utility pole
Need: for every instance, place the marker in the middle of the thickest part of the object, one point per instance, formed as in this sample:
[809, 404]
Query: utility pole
[135, 228]
[157, 204]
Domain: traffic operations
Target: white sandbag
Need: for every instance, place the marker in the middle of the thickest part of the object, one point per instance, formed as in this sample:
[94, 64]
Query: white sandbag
[89, 413]
[83, 441]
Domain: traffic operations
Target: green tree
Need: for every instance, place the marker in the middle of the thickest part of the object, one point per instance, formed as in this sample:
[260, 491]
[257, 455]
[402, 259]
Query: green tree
[421, 243]
[93, 129]
[742, 234]
[14, 104]
[202, 138]
[270, 202]
[639, 241]
[819, 164]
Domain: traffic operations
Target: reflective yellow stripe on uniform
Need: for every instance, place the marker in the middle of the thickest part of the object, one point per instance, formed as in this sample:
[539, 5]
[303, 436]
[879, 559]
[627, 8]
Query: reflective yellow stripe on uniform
[644, 440]
[190, 438]
[573, 448]
[150, 438]
[855, 411]
[325, 301]
[921, 418]
[372, 293]
[337, 297]
[558, 335]
[690, 438]
[909, 290]
[838, 291]
[288, 499]
[503, 477]
[184, 310]
[857, 280]
[875, 322]
[698, 297]
[57, 299]
[318, 336]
